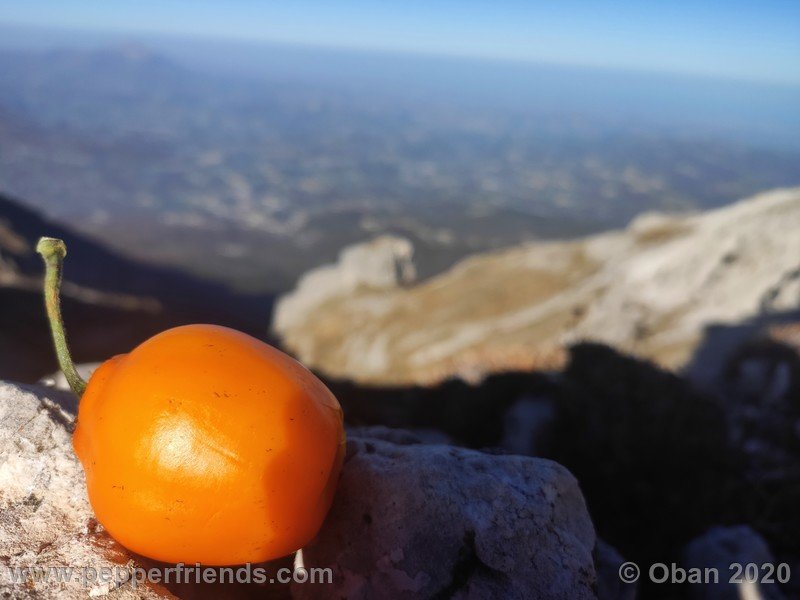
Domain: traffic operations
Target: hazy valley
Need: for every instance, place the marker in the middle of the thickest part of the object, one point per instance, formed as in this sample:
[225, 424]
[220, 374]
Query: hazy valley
[252, 178]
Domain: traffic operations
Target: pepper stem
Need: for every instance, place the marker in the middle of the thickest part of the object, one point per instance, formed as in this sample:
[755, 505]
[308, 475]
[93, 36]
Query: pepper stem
[53, 252]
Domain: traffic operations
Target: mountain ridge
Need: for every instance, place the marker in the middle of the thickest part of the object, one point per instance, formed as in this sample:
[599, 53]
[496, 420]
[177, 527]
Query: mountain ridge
[110, 302]
[649, 289]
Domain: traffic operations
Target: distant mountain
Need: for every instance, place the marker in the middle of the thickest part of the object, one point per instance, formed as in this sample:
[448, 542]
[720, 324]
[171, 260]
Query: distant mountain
[110, 302]
[268, 174]
[651, 289]
[115, 68]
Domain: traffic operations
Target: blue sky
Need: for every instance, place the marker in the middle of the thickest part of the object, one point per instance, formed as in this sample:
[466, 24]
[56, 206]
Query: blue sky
[738, 39]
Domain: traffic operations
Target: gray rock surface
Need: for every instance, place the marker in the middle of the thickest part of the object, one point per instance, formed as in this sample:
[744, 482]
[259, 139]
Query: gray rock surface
[45, 517]
[718, 548]
[423, 521]
[385, 262]
[411, 518]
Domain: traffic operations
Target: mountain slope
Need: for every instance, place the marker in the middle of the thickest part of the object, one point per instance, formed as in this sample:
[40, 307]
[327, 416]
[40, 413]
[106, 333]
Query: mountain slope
[110, 302]
[649, 289]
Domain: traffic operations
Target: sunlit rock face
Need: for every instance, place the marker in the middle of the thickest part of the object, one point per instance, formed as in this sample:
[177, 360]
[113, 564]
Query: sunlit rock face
[381, 264]
[652, 289]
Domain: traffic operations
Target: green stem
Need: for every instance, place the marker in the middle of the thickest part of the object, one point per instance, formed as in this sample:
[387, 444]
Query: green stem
[53, 252]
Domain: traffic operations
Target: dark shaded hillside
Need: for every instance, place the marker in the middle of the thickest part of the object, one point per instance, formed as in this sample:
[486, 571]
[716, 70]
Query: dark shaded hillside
[99, 321]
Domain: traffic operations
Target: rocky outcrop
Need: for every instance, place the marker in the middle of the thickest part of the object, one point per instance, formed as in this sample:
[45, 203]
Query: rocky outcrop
[410, 518]
[651, 289]
[381, 264]
[45, 518]
[754, 369]
[419, 521]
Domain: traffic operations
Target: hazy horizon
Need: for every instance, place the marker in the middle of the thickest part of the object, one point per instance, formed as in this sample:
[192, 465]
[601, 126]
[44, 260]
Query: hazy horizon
[759, 113]
[21, 35]
[154, 142]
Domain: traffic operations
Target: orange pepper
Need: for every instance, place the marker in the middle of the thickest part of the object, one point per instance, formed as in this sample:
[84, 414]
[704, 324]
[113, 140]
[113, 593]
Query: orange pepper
[207, 445]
